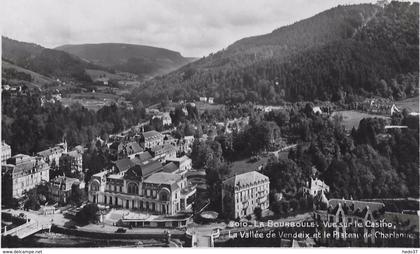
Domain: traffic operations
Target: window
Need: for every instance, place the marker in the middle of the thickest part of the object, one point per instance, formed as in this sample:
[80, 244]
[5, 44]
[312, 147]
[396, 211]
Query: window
[132, 188]
[94, 186]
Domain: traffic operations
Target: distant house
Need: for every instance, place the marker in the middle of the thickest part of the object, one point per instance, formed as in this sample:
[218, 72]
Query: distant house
[124, 149]
[315, 186]
[379, 106]
[203, 99]
[317, 110]
[211, 100]
[183, 163]
[151, 138]
[164, 117]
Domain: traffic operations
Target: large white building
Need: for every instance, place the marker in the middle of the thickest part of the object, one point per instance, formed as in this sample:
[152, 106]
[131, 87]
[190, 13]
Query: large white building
[22, 173]
[143, 187]
[241, 194]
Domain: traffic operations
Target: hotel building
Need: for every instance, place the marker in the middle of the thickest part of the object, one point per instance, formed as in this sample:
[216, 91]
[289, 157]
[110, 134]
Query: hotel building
[241, 194]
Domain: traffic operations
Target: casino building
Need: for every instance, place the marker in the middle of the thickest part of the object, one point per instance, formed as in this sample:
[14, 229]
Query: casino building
[147, 187]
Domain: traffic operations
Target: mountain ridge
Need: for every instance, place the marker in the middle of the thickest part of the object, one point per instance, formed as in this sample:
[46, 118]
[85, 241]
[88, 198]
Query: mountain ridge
[143, 60]
[326, 65]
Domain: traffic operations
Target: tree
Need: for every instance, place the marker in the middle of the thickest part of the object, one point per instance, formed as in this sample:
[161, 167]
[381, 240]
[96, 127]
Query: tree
[258, 213]
[76, 194]
[89, 213]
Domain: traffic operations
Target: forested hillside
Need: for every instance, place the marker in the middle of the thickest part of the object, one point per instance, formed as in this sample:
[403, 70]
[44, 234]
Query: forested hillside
[144, 61]
[48, 62]
[338, 55]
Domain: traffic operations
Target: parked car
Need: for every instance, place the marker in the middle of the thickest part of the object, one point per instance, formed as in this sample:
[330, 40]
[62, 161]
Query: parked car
[121, 230]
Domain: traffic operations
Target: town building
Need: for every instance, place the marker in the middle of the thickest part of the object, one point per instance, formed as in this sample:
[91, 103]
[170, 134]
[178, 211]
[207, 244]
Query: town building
[315, 186]
[120, 150]
[350, 217]
[22, 173]
[142, 158]
[163, 152]
[72, 162]
[381, 106]
[241, 194]
[210, 100]
[144, 188]
[203, 99]
[183, 163]
[52, 155]
[185, 144]
[150, 139]
[60, 188]
[6, 151]
[164, 117]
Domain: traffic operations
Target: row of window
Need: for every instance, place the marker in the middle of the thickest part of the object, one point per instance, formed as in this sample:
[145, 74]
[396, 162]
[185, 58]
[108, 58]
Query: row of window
[251, 193]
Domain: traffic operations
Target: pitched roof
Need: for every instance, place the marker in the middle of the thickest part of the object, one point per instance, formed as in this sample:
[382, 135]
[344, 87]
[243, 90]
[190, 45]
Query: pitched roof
[179, 159]
[164, 148]
[132, 147]
[170, 167]
[124, 164]
[356, 207]
[26, 166]
[242, 180]
[142, 158]
[163, 178]
[143, 170]
[56, 149]
[150, 134]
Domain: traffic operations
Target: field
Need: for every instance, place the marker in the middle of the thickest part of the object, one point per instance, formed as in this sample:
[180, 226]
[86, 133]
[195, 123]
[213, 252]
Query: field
[91, 101]
[94, 74]
[411, 104]
[352, 118]
[39, 80]
[203, 106]
[243, 166]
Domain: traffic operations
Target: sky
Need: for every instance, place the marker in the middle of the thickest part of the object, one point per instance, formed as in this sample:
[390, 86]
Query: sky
[195, 28]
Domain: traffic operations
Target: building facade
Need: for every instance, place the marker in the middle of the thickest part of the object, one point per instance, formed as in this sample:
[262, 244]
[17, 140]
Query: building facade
[143, 187]
[6, 151]
[241, 194]
[347, 219]
[52, 155]
[315, 186]
[22, 173]
[163, 152]
[151, 138]
[72, 161]
[165, 117]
